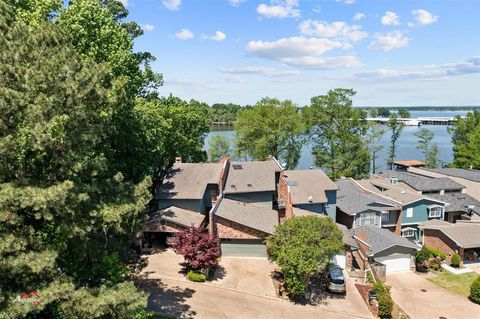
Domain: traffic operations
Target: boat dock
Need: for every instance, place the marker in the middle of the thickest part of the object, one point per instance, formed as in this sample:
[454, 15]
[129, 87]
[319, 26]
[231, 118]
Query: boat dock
[416, 121]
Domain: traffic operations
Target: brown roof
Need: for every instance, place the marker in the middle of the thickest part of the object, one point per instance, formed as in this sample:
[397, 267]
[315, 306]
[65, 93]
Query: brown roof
[253, 216]
[308, 186]
[254, 176]
[189, 180]
[410, 163]
[178, 216]
[465, 235]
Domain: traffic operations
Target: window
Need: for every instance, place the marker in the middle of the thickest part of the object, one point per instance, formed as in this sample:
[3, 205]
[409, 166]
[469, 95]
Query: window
[435, 211]
[369, 218]
[410, 212]
[385, 216]
[408, 232]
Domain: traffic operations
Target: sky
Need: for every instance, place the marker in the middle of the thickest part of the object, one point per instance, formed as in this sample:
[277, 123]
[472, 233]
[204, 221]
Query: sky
[392, 53]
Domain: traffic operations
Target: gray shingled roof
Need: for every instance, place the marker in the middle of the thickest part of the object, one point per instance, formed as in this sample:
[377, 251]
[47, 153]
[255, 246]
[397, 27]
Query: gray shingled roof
[424, 183]
[380, 239]
[347, 237]
[254, 176]
[465, 235]
[470, 174]
[308, 186]
[178, 216]
[189, 180]
[351, 199]
[458, 202]
[253, 216]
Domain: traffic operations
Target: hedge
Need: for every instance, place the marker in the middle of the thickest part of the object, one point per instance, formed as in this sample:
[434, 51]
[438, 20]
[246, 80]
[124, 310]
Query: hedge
[436, 252]
[475, 291]
[385, 302]
[196, 276]
[455, 261]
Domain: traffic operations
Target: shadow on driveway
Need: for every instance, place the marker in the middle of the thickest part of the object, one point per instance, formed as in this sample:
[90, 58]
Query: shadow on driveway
[167, 300]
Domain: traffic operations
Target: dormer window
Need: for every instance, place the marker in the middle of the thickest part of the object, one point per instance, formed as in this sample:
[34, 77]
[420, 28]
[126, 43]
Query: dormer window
[408, 232]
[434, 211]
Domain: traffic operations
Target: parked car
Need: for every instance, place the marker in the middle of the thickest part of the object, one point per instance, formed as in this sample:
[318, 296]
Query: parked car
[335, 279]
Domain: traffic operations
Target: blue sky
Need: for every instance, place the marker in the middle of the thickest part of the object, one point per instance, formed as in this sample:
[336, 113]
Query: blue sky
[391, 52]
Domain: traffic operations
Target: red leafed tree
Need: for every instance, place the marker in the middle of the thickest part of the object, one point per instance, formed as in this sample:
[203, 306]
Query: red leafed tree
[198, 248]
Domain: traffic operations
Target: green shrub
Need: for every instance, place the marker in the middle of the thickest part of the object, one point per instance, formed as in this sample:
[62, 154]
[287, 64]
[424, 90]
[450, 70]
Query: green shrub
[422, 255]
[455, 261]
[436, 253]
[196, 276]
[385, 302]
[475, 291]
[435, 263]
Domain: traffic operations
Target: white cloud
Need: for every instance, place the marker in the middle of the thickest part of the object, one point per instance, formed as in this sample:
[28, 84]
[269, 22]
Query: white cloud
[389, 41]
[338, 29]
[148, 27]
[185, 82]
[317, 9]
[424, 17]
[467, 66]
[218, 36]
[173, 5]
[279, 9]
[234, 79]
[358, 16]
[347, 1]
[262, 70]
[124, 2]
[184, 34]
[302, 52]
[236, 3]
[390, 18]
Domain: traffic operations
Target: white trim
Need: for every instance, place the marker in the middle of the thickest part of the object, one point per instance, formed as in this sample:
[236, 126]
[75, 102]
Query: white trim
[412, 230]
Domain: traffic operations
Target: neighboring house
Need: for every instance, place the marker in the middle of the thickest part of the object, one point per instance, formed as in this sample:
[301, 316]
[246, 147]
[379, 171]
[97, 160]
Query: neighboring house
[303, 191]
[385, 247]
[404, 165]
[460, 205]
[345, 258]
[462, 238]
[245, 213]
[415, 208]
[357, 206]
[470, 178]
[186, 195]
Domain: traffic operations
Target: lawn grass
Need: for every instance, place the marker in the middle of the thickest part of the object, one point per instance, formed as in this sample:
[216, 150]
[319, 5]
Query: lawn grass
[459, 284]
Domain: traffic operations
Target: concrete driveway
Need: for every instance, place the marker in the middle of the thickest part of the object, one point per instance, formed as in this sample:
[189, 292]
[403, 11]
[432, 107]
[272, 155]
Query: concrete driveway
[250, 275]
[241, 288]
[422, 299]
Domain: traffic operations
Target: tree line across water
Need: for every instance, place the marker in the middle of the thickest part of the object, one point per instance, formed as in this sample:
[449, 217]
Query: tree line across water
[344, 143]
[85, 139]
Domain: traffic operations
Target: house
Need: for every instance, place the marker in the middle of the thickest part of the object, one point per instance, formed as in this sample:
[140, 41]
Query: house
[404, 165]
[345, 258]
[304, 191]
[384, 247]
[460, 205]
[415, 208]
[462, 238]
[357, 206]
[470, 178]
[245, 213]
[186, 195]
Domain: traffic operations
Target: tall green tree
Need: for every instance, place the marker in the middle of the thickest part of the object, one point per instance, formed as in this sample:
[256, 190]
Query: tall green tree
[395, 127]
[383, 112]
[338, 132]
[217, 147]
[373, 138]
[271, 127]
[373, 112]
[403, 113]
[465, 134]
[429, 151]
[303, 246]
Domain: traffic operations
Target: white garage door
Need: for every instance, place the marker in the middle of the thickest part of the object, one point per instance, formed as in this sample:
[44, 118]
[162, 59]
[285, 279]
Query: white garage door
[397, 265]
[340, 260]
[243, 248]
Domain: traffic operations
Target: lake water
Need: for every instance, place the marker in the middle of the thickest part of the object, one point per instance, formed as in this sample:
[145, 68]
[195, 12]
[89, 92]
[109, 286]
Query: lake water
[407, 142]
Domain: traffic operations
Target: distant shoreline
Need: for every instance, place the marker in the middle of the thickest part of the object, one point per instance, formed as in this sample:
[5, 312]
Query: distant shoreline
[423, 108]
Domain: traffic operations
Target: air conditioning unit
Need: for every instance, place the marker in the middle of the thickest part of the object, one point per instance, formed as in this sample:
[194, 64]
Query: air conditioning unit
[393, 180]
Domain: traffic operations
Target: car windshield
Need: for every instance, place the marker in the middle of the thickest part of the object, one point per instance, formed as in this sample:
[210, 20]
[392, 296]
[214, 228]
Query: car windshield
[336, 276]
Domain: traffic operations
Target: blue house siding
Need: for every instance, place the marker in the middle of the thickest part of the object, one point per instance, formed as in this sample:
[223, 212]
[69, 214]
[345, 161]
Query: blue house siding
[419, 215]
[258, 198]
[331, 206]
[316, 208]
